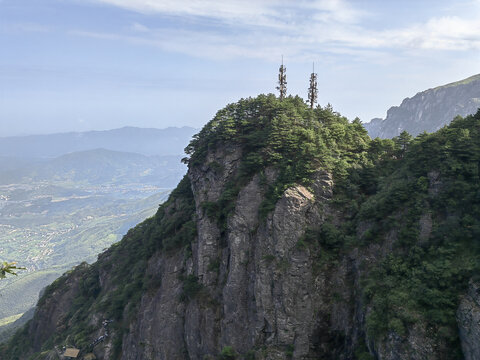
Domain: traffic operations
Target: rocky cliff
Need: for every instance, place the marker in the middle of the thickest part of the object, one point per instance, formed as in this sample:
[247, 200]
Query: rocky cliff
[282, 242]
[429, 110]
[468, 316]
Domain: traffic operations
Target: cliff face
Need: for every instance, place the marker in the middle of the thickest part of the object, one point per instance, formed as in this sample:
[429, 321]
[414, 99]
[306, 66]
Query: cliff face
[429, 110]
[258, 288]
[310, 277]
[468, 317]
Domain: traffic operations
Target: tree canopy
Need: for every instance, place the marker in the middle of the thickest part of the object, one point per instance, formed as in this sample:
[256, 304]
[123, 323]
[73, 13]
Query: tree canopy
[9, 268]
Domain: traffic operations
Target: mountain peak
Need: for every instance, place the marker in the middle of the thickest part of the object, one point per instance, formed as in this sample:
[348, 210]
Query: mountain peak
[466, 81]
[292, 236]
[429, 110]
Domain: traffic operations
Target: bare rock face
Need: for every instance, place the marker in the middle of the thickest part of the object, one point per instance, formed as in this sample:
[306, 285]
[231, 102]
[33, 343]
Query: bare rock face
[416, 345]
[283, 299]
[50, 315]
[263, 282]
[158, 330]
[261, 291]
[208, 182]
[468, 319]
[429, 110]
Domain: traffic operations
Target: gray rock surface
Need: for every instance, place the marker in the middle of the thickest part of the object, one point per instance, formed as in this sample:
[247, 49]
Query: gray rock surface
[429, 110]
[263, 293]
[468, 319]
[265, 289]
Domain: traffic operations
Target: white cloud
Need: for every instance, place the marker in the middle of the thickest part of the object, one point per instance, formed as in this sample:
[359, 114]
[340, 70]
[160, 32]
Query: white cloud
[230, 11]
[269, 13]
[442, 33]
[302, 29]
[139, 27]
[451, 33]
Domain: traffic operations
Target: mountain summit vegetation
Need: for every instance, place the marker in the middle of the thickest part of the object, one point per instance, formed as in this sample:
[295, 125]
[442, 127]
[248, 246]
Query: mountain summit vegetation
[293, 236]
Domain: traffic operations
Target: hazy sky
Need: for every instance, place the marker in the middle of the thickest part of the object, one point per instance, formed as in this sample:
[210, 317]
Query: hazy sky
[100, 64]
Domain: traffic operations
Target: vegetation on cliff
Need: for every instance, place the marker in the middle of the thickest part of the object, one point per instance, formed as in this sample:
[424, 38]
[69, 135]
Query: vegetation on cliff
[419, 198]
[425, 199]
[8, 268]
[286, 135]
[423, 193]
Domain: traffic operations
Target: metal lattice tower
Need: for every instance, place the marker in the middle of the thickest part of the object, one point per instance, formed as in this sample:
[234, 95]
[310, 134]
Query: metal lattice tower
[282, 81]
[313, 89]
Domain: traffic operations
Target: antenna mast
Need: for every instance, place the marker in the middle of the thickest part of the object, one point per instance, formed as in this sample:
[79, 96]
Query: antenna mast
[282, 81]
[313, 90]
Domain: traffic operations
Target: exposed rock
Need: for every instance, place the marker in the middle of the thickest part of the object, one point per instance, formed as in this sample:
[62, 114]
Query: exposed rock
[158, 330]
[435, 183]
[51, 318]
[288, 284]
[429, 110]
[468, 319]
[261, 293]
[208, 184]
[425, 226]
[261, 290]
[416, 345]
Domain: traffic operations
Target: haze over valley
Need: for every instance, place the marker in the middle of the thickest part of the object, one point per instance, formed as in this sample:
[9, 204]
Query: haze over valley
[60, 206]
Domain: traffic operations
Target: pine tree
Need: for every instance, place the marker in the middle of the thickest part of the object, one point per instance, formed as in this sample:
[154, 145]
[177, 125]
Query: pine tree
[402, 142]
[313, 90]
[9, 268]
[282, 81]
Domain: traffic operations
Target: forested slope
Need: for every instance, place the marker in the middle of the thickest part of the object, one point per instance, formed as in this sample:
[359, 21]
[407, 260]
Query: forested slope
[293, 236]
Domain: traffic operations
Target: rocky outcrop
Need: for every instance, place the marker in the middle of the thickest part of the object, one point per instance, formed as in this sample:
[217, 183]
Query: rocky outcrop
[50, 316]
[158, 330]
[468, 318]
[264, 292]
[245, 262]
[259, 287]
[429, 110]
[417, 345]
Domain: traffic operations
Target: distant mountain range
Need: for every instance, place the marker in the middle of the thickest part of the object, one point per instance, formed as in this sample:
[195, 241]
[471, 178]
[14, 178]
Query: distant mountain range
[95, 167]
[169, 141]
[65, 197]
[429, 110]
[376, 259]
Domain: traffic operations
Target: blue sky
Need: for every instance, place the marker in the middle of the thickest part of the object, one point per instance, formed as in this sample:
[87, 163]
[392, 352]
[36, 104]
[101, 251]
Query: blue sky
[75, 65]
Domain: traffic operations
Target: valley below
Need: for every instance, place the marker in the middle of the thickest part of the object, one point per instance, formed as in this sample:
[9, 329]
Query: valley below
[58, 212]
[49, 228]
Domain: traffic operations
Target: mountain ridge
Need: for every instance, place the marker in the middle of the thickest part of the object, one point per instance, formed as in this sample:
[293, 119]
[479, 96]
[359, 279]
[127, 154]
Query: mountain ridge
[146, 141]
[95, 167]
[429, 110]
[293, 236]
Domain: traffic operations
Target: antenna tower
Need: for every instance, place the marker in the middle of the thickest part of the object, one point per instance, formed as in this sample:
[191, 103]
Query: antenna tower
[282, 81]
[313, 90]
